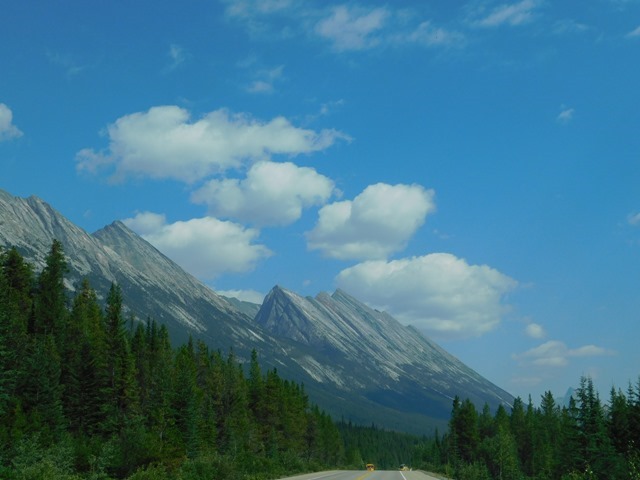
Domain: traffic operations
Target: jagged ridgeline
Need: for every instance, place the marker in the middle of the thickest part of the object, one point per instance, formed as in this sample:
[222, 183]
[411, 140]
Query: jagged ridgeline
[356, 363]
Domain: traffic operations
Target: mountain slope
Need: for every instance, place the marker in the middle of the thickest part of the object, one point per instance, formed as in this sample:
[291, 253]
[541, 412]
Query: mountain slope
[152, 284]
[356, 363]
[366, 351]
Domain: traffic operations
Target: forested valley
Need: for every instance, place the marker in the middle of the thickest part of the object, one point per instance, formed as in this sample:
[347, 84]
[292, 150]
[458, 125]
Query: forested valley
[87, 393]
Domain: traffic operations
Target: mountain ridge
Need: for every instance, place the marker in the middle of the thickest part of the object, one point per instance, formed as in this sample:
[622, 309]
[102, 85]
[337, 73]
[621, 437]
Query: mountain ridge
[357, 363]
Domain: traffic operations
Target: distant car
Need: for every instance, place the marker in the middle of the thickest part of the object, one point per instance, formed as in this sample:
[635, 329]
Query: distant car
[404, 468]
[370, 467]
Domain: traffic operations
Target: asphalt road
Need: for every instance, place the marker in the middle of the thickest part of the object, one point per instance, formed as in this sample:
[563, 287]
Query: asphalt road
[364, 475]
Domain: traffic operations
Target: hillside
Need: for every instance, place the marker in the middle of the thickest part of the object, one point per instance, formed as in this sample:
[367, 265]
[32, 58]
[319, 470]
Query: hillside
[357, 363]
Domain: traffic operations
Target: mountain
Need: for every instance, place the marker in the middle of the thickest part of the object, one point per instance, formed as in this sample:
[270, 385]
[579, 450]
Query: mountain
[356, 348]
[356, 363]
[153, 285]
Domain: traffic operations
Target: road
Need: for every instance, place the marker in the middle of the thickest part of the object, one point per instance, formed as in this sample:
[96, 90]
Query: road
[364, 475]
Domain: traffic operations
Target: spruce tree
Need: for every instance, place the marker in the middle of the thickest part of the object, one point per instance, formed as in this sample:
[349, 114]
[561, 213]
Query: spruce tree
[82, 362]
[51, 300]
[120, 396]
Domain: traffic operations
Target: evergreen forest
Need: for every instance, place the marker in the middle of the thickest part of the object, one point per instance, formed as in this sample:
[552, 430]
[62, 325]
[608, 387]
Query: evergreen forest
[87, 393]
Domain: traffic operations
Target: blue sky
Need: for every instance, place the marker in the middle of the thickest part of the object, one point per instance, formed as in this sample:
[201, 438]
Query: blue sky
[472, 167]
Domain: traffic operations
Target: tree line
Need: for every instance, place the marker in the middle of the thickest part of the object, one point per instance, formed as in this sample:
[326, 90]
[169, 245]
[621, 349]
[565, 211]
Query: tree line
[586, 439]
[87, 393]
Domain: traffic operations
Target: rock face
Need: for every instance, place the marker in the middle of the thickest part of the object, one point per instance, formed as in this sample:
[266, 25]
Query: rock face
[358, 349]
[355, 362]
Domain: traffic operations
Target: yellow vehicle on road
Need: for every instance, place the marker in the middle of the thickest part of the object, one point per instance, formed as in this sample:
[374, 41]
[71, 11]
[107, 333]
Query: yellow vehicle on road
[370, 467]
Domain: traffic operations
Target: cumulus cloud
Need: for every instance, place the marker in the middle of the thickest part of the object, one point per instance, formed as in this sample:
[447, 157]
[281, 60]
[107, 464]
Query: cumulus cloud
[565, 116]
[7, 129]
[272, 194]
[205, 247]
[244, 295]
[438, 293]
[534, 330]
[352, 28]
[555, 353]
[375, 224]
[164, 142]
[514, 14]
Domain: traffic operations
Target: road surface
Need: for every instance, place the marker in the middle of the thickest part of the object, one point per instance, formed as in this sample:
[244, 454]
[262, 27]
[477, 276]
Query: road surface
[364, 475]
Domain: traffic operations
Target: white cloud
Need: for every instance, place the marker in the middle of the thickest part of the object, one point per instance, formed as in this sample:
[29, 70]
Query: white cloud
[555, 353]
[164, 143]
[272, 194]
[534, 330]
[634, 33]
[177, 55]
[438, 293]
[569, 26]
[634, 219]
[266, 80]
[514, 14]
[348, 27]
[352, 28]
[378, 222]
[146, 223]
[565, 116]
[205, 247]
[260, 86]
[247, 8]
[429, 35]
[244, 295]
[67, 62]
[589, 351]
[7, 129]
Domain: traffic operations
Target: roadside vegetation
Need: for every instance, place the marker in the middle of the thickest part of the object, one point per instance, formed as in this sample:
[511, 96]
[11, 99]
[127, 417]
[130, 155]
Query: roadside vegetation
[86, 393]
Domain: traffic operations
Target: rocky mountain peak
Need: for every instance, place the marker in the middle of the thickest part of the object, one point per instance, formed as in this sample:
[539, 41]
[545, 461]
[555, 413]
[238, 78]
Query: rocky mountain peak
[356, 362]
[280, 314]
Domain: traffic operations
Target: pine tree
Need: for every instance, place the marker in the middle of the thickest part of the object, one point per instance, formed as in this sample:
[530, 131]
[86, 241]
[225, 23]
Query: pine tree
[120, 396]
[464, 430]
[207, 415]
[51, 300]
[7, 372]
[618, 427]
[156, 396]
[185, 399]
[16, 288]
[546, 437]
[82, 362]
[569, 440]
[519, 430]
[41, 391]
[256, 392]
[595, 446]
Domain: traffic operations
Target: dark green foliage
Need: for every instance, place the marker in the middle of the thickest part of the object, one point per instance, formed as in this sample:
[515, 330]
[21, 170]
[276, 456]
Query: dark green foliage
[50, 300]
[88, 394]
[385, 449]
[463, 428]
[583, 440]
